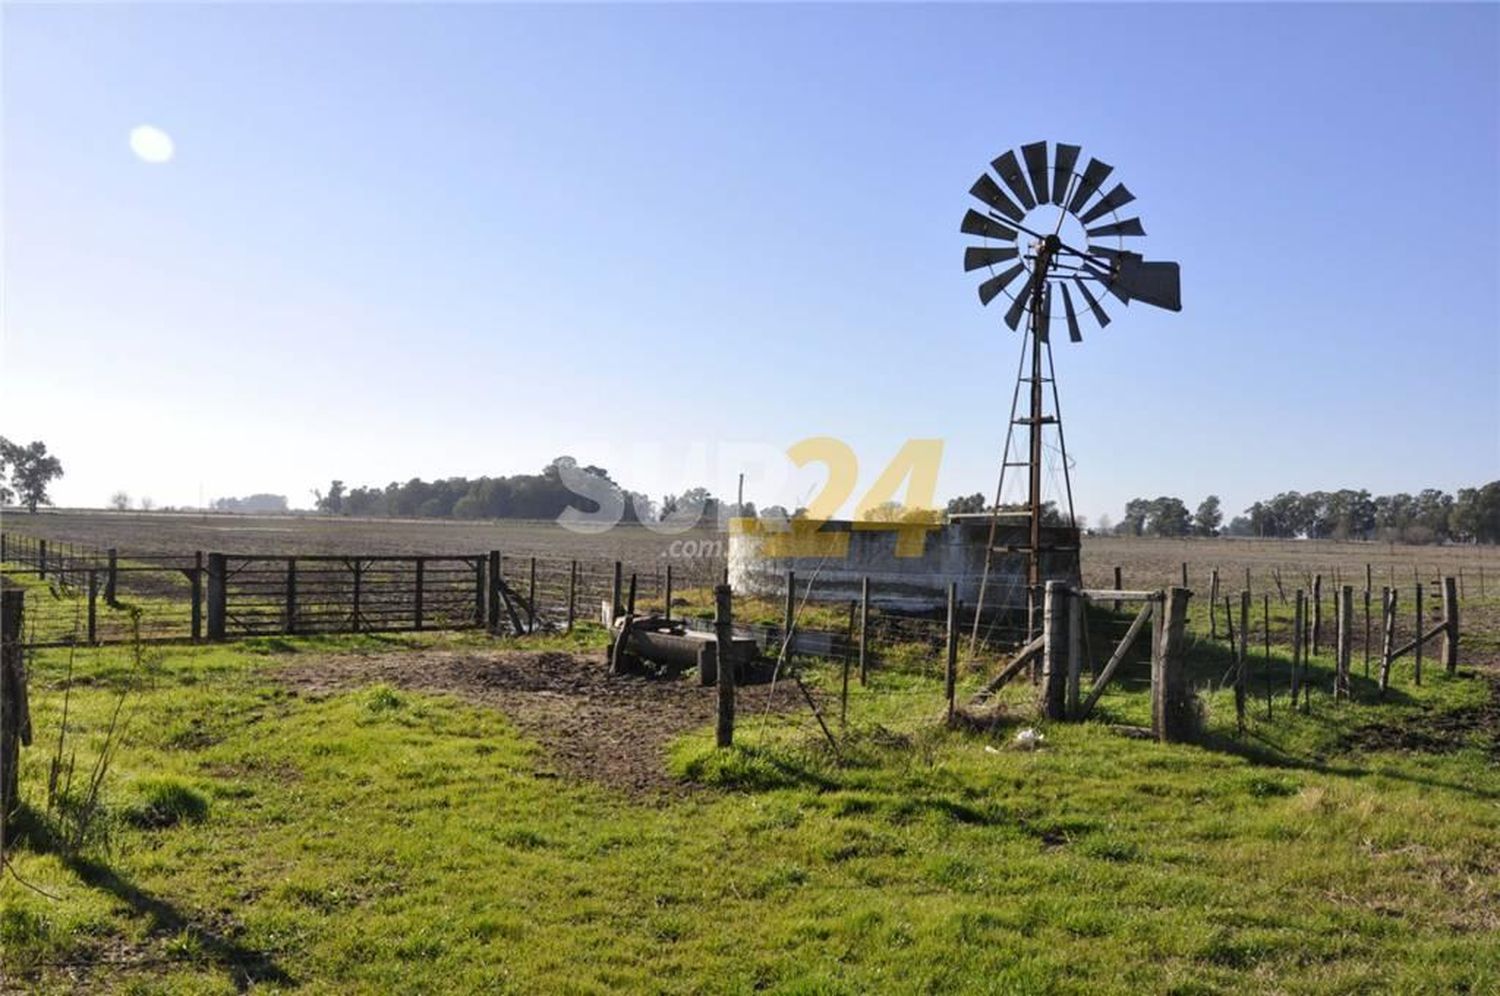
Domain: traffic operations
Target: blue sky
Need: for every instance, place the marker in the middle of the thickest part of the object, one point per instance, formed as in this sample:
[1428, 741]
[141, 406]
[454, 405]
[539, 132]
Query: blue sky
[456, 240]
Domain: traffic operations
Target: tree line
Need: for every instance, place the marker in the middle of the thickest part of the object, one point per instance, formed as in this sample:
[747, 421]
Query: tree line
[1472, 515]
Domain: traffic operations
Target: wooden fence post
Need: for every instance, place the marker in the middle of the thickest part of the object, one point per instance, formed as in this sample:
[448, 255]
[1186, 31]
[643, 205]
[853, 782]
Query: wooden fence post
[289, 613]
[41, 558]
[1388, 619]
[616, 591]
[5, 554]
[1184, 574]
[630, 595]
[1417, 649]
[492, 606]
[531, 596]
[1075, 653]
[93, 605]
[1172, 716]
[1450, 626]
[667, 599]
[864, 629]
[1265, 615]
[1299, 611]
[1367, 620]
[1213, 605]
[1054, 650]
[573, 591]
[419, 596]
[110, 578]
[1119, 585]
[724, 644]
[15, 716]
[1345, 636]
[789, 614]
[951, 649]
[195, 617]
[217, 596]
[1317, 613]
[354, 614]
[1240, 681]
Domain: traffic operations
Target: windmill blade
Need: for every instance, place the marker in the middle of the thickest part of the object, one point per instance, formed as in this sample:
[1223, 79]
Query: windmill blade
[987, 190]
[1013, 315]
[1010, 171]
[1099, 315]
[1062, 172]
[1157, 284]
[1112, 201]
[1035, 155]
[1110, 281]
[992, 287]
[1073, 333]
[1094, 174]
[1109, 251]
[977, 224]
[1130, 226]
[978, 257]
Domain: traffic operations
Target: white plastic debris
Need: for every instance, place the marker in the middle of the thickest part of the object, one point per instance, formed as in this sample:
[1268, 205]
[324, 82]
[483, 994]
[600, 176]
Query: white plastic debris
[1029, 739]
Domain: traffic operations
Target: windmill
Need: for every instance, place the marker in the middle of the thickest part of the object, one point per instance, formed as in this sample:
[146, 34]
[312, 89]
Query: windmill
[1033, 222]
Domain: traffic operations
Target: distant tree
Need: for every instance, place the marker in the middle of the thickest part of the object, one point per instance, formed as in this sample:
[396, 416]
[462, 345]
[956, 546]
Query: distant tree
[1240, 525]
[331, 503]
[1208, 517]
[1133, 522]
[7, 456]
[1169, 517]
[119, 501]
[1475, 516]
[32, 470]
[888, 511]
[147, 503]
[967, 504]
[1104, 526]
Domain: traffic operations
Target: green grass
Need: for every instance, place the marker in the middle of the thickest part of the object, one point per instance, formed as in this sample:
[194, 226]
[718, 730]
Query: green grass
[382, 840]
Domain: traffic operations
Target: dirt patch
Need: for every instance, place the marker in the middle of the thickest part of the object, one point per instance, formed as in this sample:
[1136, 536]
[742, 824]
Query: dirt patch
[1435, 732]
[611, 729]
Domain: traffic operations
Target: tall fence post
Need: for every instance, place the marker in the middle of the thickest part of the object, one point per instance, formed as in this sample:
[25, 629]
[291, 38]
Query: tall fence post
[666, 602]
[616, 591]
[864, 629]
[1172, 718]
[789, 615]
[1119, 585]
[531, 596]
[1213, 605]
[15, 718]
[111, 578]
[724, 650]
[1240, 677]
[1450, 626]
[479, 599]
[1388, 645]
[1317, 613]
[1075, 653]
[950, 649]
[1417, 647]
[354, 614]
[573, 591]
[1345, 638]
[41, 558]
[5, 554]
[217, 596]
[93, 607]
[1054, 650]
[290, 622]
[492, 605]
[419, 595]
[1299, 651]
[195, 585]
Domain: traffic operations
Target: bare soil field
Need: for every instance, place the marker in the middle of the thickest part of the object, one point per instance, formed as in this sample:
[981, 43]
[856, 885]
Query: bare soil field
[607, 728]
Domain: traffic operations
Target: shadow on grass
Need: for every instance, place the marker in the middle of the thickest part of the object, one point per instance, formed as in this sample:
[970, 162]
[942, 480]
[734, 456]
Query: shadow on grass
[245, 966]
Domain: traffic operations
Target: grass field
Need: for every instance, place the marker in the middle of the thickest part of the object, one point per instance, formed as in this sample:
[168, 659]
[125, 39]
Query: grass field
[450, 813]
